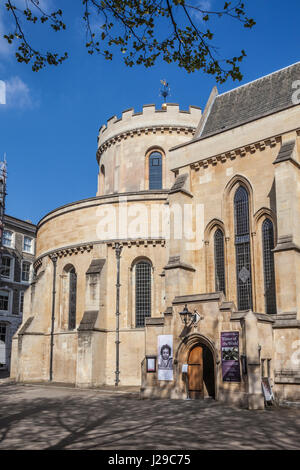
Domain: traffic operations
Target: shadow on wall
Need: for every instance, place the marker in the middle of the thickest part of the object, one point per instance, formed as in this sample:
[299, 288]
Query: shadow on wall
[272, 197]
[208, 371]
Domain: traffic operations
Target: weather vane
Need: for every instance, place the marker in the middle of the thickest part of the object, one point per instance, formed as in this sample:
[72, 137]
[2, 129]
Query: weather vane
[165, 91]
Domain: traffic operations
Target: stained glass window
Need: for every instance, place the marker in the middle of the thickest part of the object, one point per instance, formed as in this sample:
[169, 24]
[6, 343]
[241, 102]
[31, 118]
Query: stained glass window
[72, 298]
[219, 261]
[269, 272]
[242, 249]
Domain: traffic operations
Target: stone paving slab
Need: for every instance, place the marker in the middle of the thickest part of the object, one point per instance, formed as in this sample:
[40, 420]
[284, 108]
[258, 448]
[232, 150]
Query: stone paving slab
[43, 417]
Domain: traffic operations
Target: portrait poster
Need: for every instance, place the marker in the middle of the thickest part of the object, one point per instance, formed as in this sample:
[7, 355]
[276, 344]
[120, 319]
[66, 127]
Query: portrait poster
[165, 357]
[230, 356]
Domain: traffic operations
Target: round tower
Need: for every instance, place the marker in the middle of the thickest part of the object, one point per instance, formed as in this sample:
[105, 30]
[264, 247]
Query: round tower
[76, 269]
[131, 147]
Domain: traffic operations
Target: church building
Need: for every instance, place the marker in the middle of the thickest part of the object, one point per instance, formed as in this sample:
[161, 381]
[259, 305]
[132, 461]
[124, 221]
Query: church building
[182, 275]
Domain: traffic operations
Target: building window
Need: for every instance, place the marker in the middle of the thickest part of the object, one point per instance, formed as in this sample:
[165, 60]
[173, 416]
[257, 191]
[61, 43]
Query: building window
[102, 179]
[142, 292]
[6, 268]
[26, 267]
[28, 245]
[219, 261]
[72, 298]
[2, 345]
[242, 249]
[4, 300]
[21, 305]
[269, 272]
[155, 171]
[8, 238]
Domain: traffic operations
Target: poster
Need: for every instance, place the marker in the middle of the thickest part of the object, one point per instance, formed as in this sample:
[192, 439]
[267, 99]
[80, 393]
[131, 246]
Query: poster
[151, 364]
[267, 389]
[165, 357]
[230, 356]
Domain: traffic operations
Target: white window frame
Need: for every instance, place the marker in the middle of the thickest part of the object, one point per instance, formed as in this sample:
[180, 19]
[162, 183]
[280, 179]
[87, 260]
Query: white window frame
[30, 272]
[12, 268]
[32, 245]
[10, 292]
[12, 238]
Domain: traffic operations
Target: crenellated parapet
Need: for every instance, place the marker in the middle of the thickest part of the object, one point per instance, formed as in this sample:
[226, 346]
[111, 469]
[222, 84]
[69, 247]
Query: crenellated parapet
[151, 120]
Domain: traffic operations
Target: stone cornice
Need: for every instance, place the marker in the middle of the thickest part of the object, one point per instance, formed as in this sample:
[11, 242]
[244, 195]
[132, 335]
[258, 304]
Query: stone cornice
[174, 263]
[180, 265]
[154, 321]
[74, 250]
[63, 252]
[289, 159]
[137, 242]
[183, 191]
[286, 376]
[184, 299]
[261, 317]
[285, 243]
[138, 131]
[37, 264]
[286, 320]
[87, 247]
[233, 154]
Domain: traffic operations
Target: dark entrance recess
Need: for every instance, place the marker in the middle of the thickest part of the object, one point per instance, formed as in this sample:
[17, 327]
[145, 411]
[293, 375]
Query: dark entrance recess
[201, 372]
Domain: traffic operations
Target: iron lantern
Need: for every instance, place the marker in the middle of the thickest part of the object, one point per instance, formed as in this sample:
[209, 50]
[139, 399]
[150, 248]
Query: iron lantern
[185, 315]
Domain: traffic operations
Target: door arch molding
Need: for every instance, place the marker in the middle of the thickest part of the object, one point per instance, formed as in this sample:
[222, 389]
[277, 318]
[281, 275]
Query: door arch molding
[191, 340]
[182, 355]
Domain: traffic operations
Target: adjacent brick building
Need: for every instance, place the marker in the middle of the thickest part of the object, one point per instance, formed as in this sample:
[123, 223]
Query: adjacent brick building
[16, 273]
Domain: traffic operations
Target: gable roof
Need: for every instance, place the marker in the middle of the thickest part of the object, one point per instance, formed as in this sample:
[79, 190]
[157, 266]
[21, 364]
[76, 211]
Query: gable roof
[254, 100]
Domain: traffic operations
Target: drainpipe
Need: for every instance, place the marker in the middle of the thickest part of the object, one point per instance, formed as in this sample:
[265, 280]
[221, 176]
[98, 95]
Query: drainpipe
[118, 249]
[54, 261]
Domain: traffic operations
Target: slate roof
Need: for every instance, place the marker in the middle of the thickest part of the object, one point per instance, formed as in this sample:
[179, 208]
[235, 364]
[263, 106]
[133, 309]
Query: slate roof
[286, 151]
[88, 320]
[179, 183]
[252, 101]
[96, 266]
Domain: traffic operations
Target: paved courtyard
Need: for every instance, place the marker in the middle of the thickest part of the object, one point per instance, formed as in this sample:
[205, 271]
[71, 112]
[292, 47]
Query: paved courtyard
[51, 417]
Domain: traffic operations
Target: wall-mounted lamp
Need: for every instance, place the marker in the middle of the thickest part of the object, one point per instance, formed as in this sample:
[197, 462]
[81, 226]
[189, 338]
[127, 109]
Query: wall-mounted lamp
[188, 318]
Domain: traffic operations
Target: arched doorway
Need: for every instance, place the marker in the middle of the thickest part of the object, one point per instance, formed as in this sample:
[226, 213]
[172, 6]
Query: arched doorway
[201, 373]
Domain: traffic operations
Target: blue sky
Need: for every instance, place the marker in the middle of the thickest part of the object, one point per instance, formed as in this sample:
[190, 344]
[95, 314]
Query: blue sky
[49, 126]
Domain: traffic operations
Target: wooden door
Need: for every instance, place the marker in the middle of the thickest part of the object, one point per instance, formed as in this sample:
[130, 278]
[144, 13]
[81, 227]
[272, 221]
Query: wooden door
[195, 373]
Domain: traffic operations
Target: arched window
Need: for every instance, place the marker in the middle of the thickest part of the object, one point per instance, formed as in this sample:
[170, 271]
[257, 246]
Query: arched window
[72, 298]
[155, 170]
[269, 272]
[242, 249]
[142, 292]
[219, 261]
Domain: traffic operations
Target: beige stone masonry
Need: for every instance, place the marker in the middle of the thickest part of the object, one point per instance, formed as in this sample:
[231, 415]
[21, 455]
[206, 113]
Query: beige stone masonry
[148, 119]
[261, 130]
[238, 152]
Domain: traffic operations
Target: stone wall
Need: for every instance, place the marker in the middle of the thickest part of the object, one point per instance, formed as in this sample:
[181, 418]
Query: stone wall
[125, 146]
